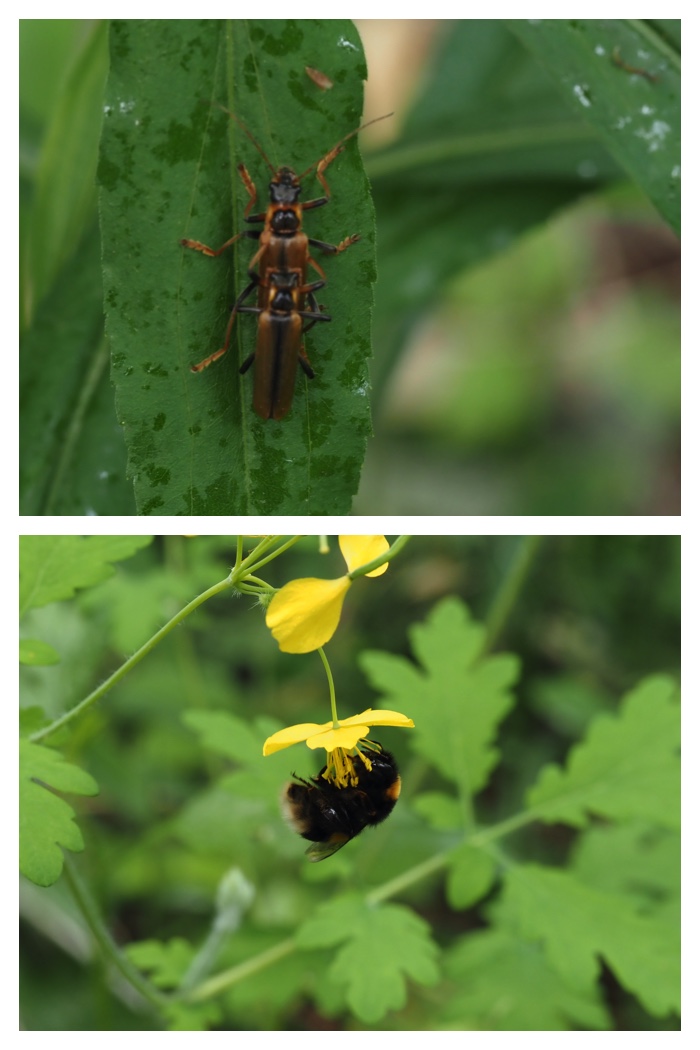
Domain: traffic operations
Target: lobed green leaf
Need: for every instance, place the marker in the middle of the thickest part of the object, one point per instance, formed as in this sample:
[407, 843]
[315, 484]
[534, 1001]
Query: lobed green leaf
[166, 962]
[383, 947]
[457, 697]
[579, 925]
[53, 568]
[628, 766]
[46, 821]
[502, 984]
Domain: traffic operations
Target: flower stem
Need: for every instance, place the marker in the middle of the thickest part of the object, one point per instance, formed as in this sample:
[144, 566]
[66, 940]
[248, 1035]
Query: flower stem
[331, 685]
[105, 943]
[251, 564]
[510, 588]
[396, 546]
[96, 694]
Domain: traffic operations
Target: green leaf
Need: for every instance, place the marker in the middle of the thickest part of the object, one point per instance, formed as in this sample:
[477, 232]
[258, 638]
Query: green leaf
[226, 734]
[242, 741]
[166, 962]
[383, 946]
[469, 876]
[489, 151]
[578, 926]
[457, 697]
[624, 77]
[46, 821]
[441, 811]
[73, 459]
[628, 766]
[31, 719]
[502, 984]
[53, 568]
[168, 171]
[641, 862]
[64, 201]
[192, 1017]
[37, 654]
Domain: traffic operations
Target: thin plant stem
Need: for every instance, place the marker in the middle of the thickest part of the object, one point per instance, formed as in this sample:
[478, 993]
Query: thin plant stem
[221, 981]
[407, 879]
[117, 676]
[396, 546]
[510, 588]
[331, 685]
[105, 942]
[252, 566]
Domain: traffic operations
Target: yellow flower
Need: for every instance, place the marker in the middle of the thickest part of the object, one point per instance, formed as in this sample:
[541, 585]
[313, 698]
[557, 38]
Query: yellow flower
[305, 613]
[339, 742]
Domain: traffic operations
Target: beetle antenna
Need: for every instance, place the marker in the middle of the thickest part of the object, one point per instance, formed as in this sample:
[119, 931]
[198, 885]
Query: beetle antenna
[250, 135]
[336, 149]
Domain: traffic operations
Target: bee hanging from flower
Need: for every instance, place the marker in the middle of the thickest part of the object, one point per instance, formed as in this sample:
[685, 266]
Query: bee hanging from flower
[329, 816]
[357, 788]
[360, 783]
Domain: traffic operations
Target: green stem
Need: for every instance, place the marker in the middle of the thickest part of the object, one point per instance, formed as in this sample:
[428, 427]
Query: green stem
[331, 685]
[105, 943]
[205, 958]
[96, 694]
[396, 546]
[242, 570]
[510, 588]
[219, 983]
[224, 980]
[251, 565]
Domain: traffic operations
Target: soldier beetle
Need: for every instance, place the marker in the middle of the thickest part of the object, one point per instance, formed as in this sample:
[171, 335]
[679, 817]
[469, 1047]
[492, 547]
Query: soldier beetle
[279, 347]
[282, 259]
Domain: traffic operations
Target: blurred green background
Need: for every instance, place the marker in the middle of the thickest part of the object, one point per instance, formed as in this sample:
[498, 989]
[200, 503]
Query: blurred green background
[527, 320]
[592, 616]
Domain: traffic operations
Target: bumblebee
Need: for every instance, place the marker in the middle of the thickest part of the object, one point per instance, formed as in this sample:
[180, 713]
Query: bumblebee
[330, 816]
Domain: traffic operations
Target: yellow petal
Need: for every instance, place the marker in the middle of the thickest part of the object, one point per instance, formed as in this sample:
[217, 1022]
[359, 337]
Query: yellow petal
[304, 614]
[291, 735]
[345, 736]
[360, 550]
[379, 718]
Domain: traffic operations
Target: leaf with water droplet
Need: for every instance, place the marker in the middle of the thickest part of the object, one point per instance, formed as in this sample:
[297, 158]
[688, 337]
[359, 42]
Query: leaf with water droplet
[624, 77]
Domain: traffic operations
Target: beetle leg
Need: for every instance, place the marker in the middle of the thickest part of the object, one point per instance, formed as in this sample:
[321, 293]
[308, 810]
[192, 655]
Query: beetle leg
[305, 363]
[315, 314]
[247, 363]
[335, 249]
[254, 262]
[317, 203]
[252, 192]
[213, 252]
[310, 259]
[325, 161]
[237, 307]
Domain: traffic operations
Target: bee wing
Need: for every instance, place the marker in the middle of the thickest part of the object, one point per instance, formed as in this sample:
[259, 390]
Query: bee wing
[320, 850]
